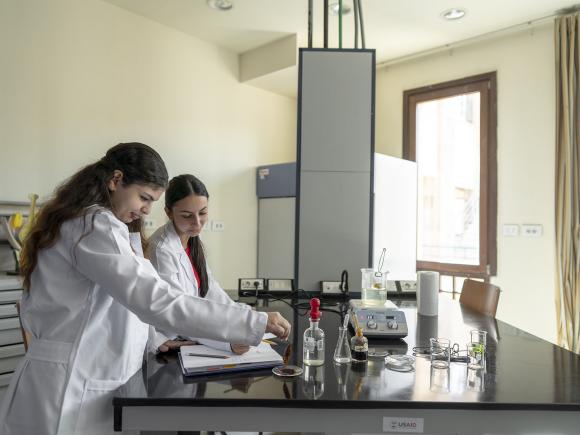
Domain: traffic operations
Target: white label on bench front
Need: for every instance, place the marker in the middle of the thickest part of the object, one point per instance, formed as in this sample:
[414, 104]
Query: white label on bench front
[403, 425]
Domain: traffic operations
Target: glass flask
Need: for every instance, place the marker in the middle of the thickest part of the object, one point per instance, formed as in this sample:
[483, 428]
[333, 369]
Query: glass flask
[342, 350]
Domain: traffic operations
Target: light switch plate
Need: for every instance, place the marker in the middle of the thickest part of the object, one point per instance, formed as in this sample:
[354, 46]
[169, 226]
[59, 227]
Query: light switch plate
[510, 230]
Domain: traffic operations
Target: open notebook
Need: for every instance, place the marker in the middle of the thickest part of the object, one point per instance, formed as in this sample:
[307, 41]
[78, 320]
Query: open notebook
[262, 356]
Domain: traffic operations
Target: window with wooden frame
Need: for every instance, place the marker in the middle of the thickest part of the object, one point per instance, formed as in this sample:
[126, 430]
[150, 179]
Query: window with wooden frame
[449, 129]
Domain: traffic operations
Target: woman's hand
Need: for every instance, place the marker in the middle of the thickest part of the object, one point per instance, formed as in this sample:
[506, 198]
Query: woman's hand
[278, 325]
[239, 349]
[170, 345]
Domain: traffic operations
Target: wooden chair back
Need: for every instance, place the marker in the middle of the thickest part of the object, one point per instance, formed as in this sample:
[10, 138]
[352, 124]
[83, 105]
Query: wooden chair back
[480, 296]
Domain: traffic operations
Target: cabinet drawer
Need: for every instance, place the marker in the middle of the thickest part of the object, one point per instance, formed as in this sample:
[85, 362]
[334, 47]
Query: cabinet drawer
[10, 351]
[9, 296]
[8, 310]
[10, 356]
[10, 282]
[10, 331]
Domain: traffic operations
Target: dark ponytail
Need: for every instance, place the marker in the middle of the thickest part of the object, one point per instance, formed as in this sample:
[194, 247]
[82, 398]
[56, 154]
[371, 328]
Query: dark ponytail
[138, 162]
[181, 187]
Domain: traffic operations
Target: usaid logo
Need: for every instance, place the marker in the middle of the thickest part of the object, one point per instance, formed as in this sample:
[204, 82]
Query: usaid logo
[403, 425]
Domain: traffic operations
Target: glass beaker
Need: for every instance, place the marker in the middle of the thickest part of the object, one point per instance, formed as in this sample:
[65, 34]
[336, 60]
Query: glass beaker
[342, 349]
[476, 355]
[478, 336]
[440, 353]
[373, 287]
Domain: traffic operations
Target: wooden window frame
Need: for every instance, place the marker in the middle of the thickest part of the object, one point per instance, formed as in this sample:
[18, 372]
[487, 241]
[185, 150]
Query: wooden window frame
[486, 84]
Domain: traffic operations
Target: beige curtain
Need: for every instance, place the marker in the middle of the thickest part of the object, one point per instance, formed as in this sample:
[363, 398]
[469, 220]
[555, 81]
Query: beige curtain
[567, 41]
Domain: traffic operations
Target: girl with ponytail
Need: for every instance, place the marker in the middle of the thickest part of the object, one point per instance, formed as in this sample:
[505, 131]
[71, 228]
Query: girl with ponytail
[90, 296]
[178, 255]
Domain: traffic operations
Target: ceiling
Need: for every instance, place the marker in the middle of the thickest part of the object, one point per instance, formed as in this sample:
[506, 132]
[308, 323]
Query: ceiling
[395, 28]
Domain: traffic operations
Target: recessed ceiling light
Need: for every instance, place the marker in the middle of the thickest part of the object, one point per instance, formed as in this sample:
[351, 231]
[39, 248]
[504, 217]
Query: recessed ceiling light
[333, 9]
[220, 5]
[453, 14]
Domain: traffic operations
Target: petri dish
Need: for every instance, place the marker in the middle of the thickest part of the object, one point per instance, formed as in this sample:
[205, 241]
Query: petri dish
[287, 371]
[400, 363]
[376, 352]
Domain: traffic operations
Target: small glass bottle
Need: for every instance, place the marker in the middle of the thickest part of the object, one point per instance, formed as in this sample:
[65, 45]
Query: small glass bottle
[359, 346]
[313, 340]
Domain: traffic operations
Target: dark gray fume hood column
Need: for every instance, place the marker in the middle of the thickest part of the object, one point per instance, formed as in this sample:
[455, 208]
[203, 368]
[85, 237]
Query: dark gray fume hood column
[335, 165]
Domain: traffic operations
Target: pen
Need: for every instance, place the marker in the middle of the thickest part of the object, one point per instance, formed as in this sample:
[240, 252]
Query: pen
[205, 355]
[268, 341]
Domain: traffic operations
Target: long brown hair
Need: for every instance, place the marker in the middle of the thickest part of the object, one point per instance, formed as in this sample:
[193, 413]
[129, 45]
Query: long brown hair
[138, 162]
[181, 187]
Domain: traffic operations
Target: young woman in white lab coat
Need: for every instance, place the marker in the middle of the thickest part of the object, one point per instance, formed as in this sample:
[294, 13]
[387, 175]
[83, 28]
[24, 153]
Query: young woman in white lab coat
[177, 253]
[89, 297]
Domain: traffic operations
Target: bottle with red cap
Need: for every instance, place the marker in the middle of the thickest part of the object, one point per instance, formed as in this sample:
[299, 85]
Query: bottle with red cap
[313, 341]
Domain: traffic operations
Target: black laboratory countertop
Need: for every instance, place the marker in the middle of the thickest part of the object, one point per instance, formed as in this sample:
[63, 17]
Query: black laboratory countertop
[523, 371]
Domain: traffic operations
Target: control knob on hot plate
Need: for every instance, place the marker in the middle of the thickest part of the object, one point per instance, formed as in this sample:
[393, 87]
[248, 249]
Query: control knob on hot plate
[392, 324]
[371, 324]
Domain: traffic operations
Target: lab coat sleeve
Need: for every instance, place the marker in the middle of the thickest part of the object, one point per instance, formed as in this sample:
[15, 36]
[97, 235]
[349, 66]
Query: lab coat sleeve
[167, 269]
[157, 338]
[218, 294]
[105, 257]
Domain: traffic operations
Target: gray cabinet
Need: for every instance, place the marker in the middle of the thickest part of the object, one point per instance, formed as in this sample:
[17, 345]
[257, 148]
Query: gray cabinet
[11, 347]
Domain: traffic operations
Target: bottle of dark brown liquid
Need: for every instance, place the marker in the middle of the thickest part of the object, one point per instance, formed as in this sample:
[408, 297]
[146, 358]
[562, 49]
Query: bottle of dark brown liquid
[359, 347]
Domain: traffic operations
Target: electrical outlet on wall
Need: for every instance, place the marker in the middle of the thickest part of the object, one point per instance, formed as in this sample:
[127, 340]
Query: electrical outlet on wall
[532, 230]
[280, 285]
[330, 287]
[408, 286]
[218, 226]
[251, 284]
[149, 223]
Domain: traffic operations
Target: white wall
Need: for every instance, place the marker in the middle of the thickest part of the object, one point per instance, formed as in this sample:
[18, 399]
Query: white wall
[525, 152]
[78, 77]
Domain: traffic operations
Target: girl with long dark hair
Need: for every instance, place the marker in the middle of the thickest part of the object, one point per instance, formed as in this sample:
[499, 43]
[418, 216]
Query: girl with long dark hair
[178, 254]
[90, 295]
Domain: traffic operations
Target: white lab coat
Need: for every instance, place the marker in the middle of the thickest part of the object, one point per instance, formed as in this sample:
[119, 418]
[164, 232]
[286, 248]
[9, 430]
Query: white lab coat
[173, 265]
[91, 301]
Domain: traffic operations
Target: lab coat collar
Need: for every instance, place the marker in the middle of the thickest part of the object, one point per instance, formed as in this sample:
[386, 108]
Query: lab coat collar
[172, 238]
[175, 245]
[97, 208]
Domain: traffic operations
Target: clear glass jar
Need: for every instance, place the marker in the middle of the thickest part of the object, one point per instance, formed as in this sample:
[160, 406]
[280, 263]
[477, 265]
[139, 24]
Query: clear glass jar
[313, 345]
